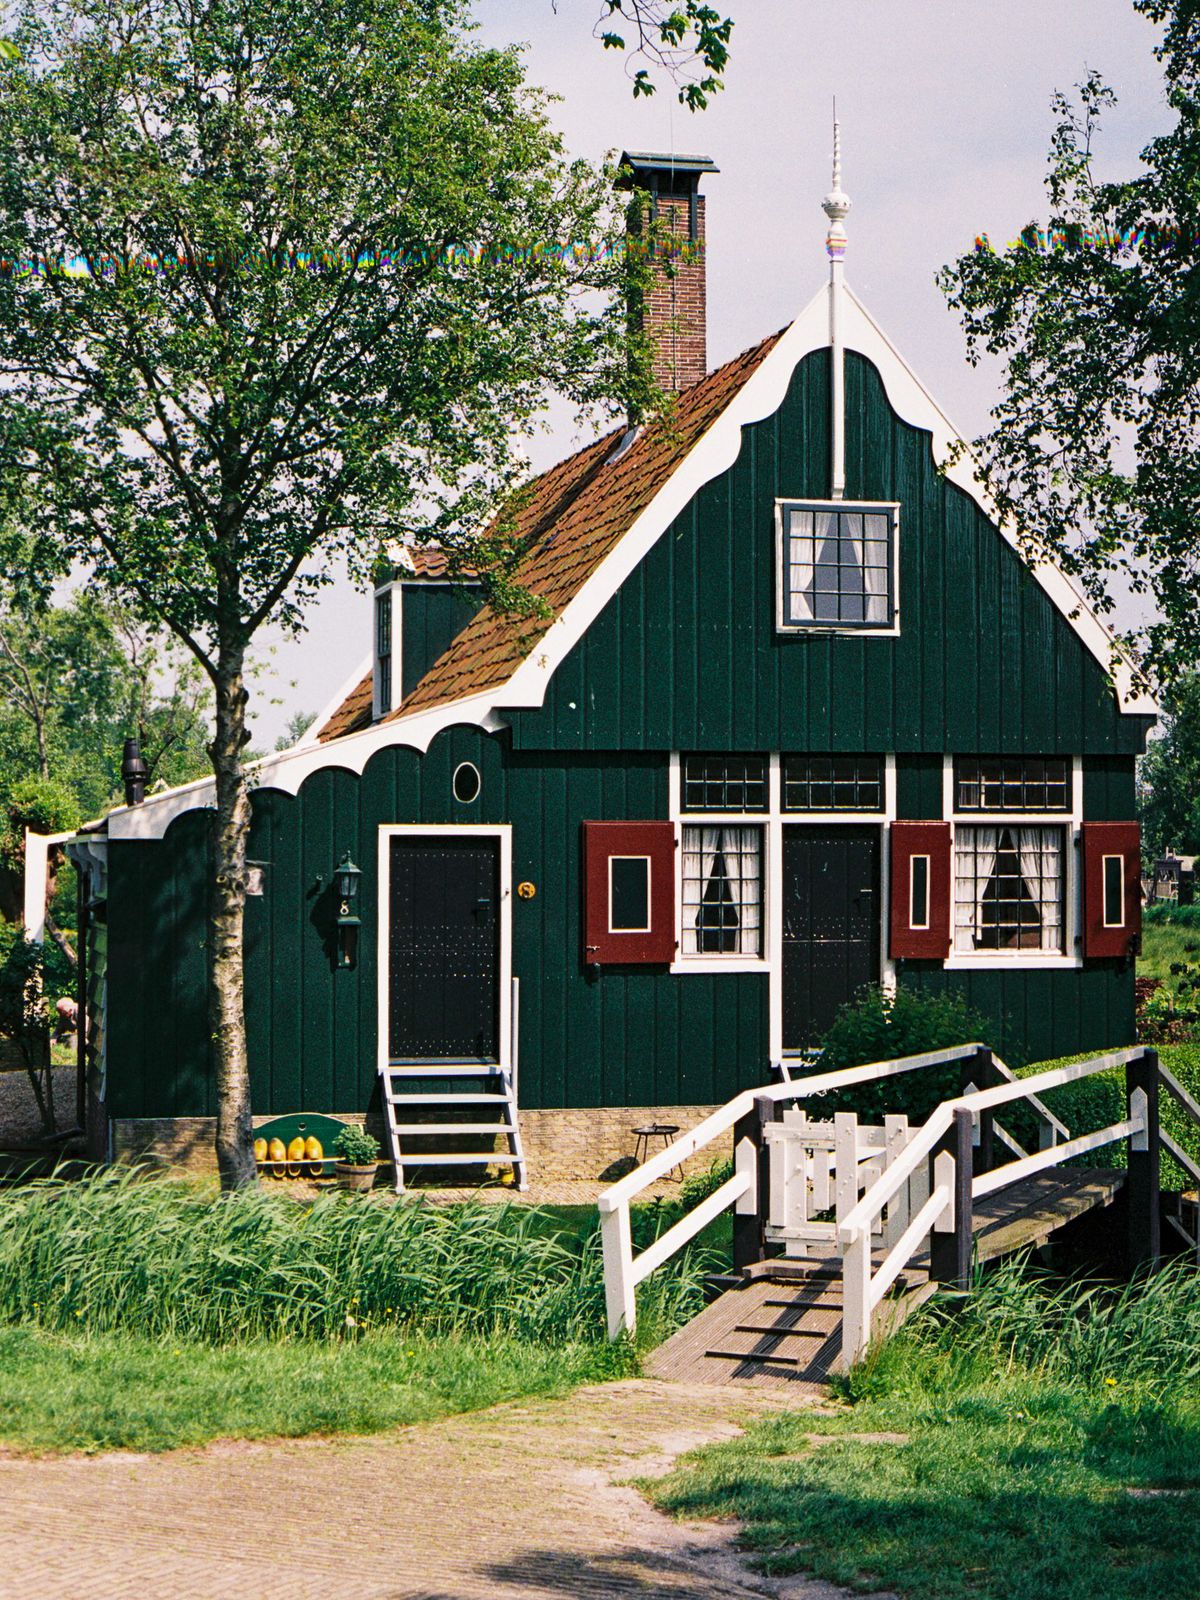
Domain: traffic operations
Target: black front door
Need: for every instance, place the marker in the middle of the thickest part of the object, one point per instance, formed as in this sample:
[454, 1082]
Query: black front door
[444, 949]
[830, 924]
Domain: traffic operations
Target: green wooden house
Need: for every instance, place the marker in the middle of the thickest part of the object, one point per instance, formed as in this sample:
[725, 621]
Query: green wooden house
[803, 720]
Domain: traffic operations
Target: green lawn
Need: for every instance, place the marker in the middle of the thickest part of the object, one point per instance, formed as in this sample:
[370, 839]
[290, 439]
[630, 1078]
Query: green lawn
[1020, 1451]
[116, 1391]
[1164, 943]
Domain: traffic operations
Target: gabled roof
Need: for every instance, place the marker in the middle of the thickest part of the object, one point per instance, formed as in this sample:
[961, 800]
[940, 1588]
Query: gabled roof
[593, 518]
[574, 516]
[568, 519]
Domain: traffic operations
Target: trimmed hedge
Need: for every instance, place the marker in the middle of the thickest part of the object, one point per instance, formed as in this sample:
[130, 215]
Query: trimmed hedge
[1099, 1101]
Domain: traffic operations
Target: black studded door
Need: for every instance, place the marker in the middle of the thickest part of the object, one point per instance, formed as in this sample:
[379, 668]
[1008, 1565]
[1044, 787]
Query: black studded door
[830, 925]
[444, 949]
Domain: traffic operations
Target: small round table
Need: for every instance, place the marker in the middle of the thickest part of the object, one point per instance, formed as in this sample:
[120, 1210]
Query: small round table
[665, 1131]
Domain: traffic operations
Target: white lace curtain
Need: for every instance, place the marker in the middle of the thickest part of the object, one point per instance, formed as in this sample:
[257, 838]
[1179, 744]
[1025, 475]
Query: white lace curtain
[722, 896]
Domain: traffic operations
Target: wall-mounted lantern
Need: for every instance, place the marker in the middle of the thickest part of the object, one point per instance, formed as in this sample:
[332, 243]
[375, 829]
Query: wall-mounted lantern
[345, 881]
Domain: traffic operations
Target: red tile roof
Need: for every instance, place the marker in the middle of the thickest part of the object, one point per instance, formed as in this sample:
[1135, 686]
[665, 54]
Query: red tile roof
[569, 520]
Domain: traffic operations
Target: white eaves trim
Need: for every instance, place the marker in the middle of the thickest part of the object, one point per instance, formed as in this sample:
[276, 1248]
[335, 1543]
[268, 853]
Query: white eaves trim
[716, 451]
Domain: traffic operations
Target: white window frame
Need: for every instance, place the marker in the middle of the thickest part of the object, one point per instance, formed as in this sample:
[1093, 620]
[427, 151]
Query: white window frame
[1104, 860]
[914, 925]
[391, 593]
[389, 831]
[1071, 822]
[851, 630]
[649, 924]
[773, 821]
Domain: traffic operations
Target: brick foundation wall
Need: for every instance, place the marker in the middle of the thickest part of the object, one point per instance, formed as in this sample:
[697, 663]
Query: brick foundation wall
[592, 1146]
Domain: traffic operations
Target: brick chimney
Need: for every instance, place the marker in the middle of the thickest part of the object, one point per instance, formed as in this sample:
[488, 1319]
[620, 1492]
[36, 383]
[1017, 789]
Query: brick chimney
[673, 310]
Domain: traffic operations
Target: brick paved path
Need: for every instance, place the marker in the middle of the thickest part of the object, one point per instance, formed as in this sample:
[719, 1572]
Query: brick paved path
[522, 1502]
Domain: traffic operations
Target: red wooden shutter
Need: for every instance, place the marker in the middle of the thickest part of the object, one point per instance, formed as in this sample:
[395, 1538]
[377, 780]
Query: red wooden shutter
[629, 892]
[1112, 887]
[921, 890]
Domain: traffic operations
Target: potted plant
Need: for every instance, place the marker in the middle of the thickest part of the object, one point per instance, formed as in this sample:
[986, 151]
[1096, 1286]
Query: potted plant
[356, 1155]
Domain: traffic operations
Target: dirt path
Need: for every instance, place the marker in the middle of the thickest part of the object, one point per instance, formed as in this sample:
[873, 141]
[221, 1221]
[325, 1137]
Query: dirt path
[522, 1502]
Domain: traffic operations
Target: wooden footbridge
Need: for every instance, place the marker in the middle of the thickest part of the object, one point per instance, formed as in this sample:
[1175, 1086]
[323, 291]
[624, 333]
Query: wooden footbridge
[841, 1228]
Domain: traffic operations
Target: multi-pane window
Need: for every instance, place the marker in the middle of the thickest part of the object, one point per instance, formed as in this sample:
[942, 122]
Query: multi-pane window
[383, 651]
[1012, 783]
[833, 783]
[724, 783]
[1008, 888]
[722, 884]
[838, 565]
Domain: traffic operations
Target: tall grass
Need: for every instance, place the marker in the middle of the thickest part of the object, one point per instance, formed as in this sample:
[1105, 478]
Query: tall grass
[122, 1250]
[1020, 1322]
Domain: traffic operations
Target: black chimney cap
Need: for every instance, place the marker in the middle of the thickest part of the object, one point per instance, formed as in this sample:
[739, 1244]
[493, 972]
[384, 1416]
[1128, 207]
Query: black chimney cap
[665, 172]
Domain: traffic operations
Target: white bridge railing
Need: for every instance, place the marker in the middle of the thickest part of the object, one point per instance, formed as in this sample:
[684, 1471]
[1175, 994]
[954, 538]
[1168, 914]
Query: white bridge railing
[623, 1271]
[876, 1196]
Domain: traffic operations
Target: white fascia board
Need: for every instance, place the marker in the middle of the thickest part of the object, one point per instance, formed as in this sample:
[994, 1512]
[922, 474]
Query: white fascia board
[717, 449]
[286, 770]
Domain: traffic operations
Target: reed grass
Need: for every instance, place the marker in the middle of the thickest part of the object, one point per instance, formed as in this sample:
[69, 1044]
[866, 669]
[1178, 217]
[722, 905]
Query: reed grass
[122, 1249]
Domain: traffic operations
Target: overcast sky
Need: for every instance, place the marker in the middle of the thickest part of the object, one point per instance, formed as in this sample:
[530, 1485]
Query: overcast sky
[945, 113]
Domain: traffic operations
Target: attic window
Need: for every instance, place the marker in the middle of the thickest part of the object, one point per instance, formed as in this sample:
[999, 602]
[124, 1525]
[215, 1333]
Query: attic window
[837, 565]
[383, 652]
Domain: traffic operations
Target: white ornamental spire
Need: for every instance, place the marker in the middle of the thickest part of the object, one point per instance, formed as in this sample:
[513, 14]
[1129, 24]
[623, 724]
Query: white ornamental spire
[836, 204]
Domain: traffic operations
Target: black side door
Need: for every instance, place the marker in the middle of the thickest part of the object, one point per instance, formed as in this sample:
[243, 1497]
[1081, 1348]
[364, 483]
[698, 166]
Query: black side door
[444, 949]
[830, 924]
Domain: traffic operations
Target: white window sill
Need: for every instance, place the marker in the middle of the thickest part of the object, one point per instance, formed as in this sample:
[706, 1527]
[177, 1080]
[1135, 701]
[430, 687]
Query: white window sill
[991, 959]
[867, 631]
[720, 964]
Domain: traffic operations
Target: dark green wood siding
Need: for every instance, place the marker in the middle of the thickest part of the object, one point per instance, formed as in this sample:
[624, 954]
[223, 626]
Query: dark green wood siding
[687, 655]
[431, 617]
[1039, 1016]
[635, 1037]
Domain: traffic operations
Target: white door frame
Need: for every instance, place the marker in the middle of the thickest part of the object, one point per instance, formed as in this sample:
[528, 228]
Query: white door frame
[454, 830]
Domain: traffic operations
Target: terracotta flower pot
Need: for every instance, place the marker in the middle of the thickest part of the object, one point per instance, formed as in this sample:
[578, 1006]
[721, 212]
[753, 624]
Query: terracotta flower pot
[357, 1179]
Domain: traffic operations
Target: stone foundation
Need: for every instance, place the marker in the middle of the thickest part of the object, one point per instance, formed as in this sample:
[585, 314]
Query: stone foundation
[572, 1146]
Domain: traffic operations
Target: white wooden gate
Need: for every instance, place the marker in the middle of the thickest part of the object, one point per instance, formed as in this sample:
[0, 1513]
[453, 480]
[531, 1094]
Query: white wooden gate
[819, 1171]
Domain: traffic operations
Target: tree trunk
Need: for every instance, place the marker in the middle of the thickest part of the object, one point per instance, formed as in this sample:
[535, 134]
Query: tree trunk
[227, 1011]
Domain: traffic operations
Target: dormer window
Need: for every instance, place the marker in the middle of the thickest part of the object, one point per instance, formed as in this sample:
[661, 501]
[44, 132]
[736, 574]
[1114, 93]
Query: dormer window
[837, 566]
[386, 664]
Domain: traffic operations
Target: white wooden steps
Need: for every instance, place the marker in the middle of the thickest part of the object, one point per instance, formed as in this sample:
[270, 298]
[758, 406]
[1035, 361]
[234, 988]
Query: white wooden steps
[490, 1112]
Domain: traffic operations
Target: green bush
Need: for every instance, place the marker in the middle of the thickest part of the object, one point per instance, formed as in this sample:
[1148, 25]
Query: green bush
[121, 1250]
[881, 1026]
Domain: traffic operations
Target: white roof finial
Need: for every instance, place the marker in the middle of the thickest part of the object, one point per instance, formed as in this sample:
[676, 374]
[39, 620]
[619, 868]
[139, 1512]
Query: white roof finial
[836, 204]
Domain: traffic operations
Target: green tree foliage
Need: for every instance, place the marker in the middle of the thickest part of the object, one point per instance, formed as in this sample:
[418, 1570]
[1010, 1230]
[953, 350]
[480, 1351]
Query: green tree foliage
[687, 39]
[1169, 774]
[1096, 446]
[286, 280]
[79, 677]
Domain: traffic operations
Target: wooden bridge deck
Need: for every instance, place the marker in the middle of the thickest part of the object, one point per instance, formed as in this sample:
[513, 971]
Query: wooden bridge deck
[783, 1323]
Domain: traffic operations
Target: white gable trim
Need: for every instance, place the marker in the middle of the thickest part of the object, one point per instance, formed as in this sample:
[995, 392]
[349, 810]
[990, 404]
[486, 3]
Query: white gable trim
[716, 450]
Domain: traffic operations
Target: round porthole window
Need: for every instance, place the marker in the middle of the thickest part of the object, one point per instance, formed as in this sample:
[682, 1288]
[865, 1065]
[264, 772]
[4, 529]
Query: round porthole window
[466, 783]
